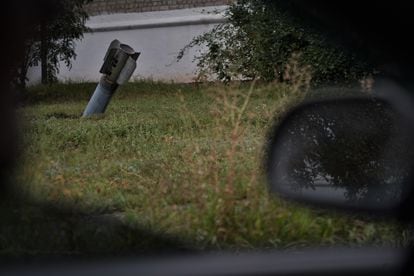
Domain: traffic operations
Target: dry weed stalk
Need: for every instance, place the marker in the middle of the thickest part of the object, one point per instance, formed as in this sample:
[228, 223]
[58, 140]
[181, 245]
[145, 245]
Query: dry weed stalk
[298, 76]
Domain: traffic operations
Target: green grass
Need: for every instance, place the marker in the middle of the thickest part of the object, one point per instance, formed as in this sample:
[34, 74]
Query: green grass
[175, 165]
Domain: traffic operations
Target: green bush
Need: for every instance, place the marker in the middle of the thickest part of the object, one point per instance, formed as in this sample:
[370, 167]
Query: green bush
[258, 40]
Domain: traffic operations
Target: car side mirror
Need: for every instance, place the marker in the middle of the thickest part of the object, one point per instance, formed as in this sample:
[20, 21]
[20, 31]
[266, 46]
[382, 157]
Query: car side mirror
[349, 153]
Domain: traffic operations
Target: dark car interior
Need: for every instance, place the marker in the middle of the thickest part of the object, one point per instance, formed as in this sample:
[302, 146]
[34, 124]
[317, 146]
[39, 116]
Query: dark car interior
[297, 160]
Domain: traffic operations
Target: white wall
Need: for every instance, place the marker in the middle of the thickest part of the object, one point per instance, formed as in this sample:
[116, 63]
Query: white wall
[157, 35]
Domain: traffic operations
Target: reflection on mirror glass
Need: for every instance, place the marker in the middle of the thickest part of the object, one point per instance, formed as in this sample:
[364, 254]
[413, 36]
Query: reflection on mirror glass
[354, 153]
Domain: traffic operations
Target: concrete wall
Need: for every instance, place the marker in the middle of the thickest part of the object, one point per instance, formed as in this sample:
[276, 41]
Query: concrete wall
[126, 6]
[157, 35]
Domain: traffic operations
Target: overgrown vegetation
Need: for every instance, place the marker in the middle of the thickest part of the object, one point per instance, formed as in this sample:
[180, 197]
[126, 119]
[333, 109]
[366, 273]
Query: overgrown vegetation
[177, 160]
[258, 40]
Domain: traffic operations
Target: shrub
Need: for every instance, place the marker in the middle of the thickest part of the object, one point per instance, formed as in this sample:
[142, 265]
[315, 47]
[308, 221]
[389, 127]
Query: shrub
[258, 40]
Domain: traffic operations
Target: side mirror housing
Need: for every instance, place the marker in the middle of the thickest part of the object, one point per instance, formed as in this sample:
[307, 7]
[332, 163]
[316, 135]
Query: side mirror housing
[350, 153]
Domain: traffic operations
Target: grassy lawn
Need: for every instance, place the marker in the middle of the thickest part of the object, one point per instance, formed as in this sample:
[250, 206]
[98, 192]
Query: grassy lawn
[167, 166]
